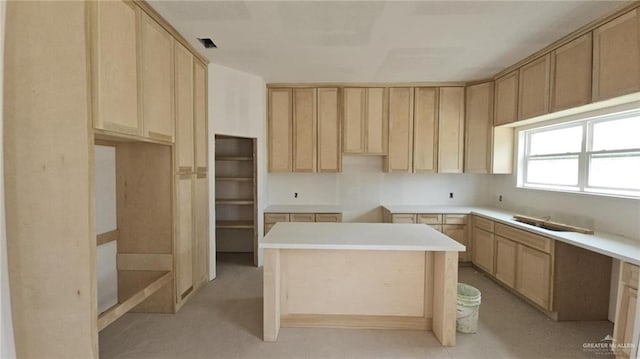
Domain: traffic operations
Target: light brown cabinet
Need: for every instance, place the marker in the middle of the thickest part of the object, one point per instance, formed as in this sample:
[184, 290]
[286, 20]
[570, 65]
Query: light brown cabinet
[184, 235]
[506, 259]
[200, 116]
[533, 92]
[626, 309]
[571, 74]
[329, 131]
[479, 128]
[400, 147]
[425, 130]
[483, 249]
[506, 99]
[280, 130]
[270, 219]
[184, 109]
[534, 275]
[364, 121]
[451, 130]
[304, 130]
[115, 66]
[458, 232]
[156, 56]
[616, 57]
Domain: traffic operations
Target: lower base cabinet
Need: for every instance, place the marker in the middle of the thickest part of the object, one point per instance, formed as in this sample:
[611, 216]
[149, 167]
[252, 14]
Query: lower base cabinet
[458, 232]
[564, 281]
[626, 310]
[270, 219]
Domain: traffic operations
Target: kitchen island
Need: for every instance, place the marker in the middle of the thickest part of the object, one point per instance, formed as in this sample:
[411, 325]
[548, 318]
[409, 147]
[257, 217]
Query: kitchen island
[360, 275]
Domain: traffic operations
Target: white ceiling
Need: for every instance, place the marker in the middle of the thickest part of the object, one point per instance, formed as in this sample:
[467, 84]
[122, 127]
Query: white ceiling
[376, 41]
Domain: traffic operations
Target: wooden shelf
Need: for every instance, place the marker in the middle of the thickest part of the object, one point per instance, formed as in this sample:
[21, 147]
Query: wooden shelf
[118, 310]
[234, 158]
[235, 179]
[234, 201]
[234, 224]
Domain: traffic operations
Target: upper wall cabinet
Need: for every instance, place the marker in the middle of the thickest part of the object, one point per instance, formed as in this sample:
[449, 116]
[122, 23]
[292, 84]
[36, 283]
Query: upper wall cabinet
[280, 130]
[451, 130]
[571, 74]
[616, 57]
[364, 121]
[157, 82]
[184, 109]
[425, 130]
[533, 93]
[400, 154]
[304, 130]
[329, 135]
[506, 99]
[479, 125]
[115, 67]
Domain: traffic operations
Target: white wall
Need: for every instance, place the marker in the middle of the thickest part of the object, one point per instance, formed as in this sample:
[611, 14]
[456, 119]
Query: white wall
[7, 344]
[362, 187]
[237, 107]
[105, 192]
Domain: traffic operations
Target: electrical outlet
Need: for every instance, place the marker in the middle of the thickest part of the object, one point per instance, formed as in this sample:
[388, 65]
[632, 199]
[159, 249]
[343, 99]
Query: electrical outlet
[295, 194]
[450, 195]
[500, 198]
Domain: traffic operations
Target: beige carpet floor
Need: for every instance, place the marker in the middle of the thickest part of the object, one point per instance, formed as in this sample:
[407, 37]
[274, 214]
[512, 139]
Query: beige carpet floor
[224, 320]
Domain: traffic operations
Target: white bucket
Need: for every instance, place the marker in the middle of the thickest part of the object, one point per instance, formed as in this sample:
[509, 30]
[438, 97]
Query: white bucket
[468, 300]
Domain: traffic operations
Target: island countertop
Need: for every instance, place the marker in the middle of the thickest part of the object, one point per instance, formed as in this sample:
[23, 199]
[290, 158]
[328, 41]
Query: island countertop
[358, 236]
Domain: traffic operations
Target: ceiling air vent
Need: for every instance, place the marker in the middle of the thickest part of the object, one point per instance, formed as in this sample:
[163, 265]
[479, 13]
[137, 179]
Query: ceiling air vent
[208, 43]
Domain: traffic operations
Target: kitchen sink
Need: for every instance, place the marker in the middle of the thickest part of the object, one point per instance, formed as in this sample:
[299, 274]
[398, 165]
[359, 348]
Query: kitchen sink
[551, 226]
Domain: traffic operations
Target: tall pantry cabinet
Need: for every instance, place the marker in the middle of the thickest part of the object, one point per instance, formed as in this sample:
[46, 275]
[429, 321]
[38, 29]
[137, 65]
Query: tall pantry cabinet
[113, 73]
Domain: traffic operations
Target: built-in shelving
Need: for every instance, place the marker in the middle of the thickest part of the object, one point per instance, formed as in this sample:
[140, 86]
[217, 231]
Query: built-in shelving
[236, 198]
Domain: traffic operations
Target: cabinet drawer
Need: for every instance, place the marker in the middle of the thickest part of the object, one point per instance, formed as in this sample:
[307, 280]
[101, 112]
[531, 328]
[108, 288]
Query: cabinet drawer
[455, 219]
[303, 217]
[276, 217]
[403, 218]
[267, 227]
[630, 275]
[429, 218]
[328, 217]
[437, 227]
[524, 237]
[483, 223]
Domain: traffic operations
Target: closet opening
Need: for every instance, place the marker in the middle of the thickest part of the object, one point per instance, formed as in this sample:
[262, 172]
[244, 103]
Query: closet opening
[236, 200]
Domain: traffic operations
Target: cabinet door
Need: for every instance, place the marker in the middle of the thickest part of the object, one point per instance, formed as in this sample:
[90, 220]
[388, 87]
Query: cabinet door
[533, 278]
[353, 116]
[304, 130]
[506, 252]
[506, 99]
[483, 246]
[376, 123]
[625, 318]
[115, 67]
[425, 130]
[533, 94]
[200, 115]
[184, 235]
[571, 74]
[451, 130]
[479, 126]
[201, 229]
[329, 217]
[399, 158]
[184, 108]
[616, 57]
[157, 82]
[329, 139]
[458, 232]
[280, 130]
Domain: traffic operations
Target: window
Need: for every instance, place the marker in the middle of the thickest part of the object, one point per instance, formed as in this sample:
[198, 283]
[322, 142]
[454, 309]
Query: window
[595, 155]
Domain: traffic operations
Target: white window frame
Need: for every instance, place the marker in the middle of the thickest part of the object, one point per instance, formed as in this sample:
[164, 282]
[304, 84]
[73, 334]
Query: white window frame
[584, 157]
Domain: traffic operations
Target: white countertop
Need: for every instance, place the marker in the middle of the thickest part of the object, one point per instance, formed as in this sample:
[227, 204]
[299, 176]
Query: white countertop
[622, 248]
[358, 236]
[303, 208]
